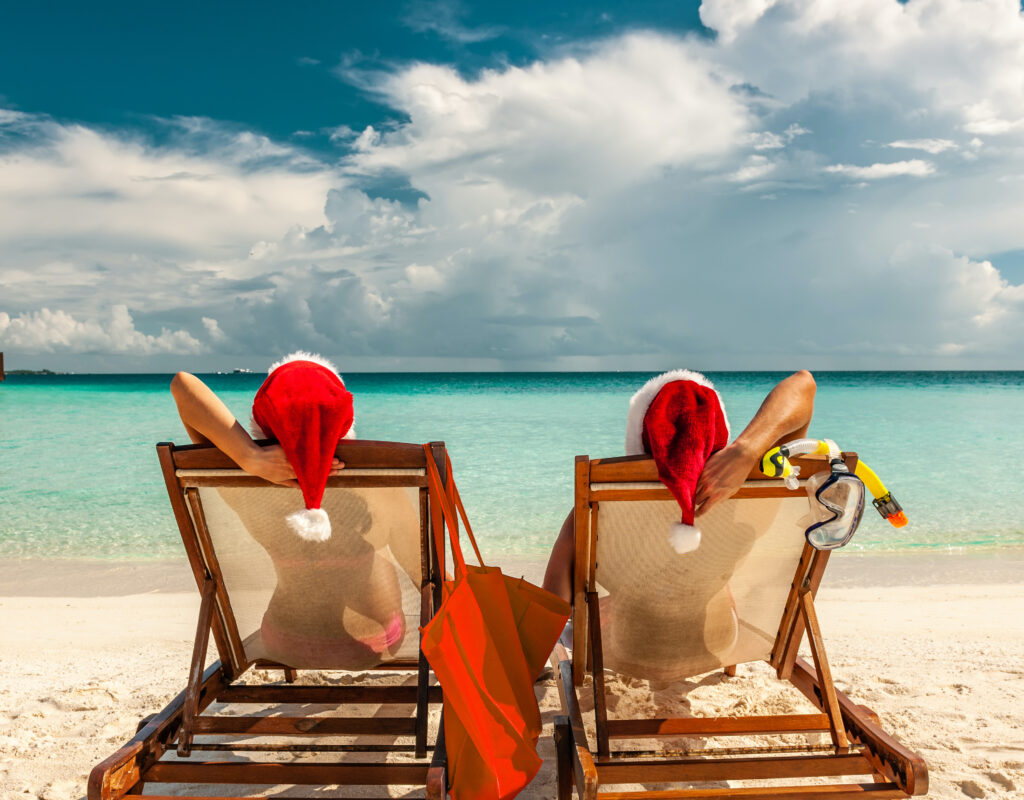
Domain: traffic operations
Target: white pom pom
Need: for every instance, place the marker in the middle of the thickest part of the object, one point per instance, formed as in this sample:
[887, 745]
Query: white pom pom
[684, 538]
[312, 524]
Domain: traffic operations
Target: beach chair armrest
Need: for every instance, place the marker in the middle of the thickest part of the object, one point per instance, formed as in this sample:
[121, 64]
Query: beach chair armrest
[114, 777]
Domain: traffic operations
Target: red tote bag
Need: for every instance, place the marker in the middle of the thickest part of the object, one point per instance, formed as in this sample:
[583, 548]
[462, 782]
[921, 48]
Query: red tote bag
[487, 643]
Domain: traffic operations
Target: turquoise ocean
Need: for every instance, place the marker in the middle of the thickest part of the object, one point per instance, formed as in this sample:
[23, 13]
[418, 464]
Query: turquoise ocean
[79, 475]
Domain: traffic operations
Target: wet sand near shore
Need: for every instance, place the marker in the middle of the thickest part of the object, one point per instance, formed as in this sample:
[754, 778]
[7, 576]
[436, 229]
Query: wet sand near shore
[116, 578]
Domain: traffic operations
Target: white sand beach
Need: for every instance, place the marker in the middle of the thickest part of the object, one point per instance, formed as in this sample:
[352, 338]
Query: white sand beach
[934, 644]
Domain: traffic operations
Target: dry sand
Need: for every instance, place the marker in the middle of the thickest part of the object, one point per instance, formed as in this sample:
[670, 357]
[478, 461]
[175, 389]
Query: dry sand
[935, 645]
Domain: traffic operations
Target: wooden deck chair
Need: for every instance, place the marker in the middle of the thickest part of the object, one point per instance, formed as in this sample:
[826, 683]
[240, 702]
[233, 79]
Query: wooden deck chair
[746, 594]
[274, 601]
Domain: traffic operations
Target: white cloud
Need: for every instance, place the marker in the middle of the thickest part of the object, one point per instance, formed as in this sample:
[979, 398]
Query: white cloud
[423, 277]
[47, 331]
[766, 140]
[213, 330]
[993, 125]
[973, 301]
[932, 146]
[756, 167]
[915, 168]
[616, 113]
[948, 56]
[729, 17]
[443, 17]
[112, 187]
[342, 133]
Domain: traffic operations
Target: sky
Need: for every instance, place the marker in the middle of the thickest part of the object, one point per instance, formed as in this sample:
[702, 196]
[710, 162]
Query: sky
[734, 184]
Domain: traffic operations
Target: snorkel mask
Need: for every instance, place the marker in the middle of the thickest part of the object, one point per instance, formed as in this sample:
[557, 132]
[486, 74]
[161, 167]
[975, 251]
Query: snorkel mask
[839, 506]
[836, 496]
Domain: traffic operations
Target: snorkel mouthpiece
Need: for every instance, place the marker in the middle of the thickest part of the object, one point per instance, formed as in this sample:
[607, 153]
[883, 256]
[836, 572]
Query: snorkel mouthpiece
[775, 463]
[890, 510]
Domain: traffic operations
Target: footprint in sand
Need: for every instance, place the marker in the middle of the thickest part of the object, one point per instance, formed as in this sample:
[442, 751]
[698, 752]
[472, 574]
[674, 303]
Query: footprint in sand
[86, 698]
[1001, 780]
[60, 790]
[971, 788]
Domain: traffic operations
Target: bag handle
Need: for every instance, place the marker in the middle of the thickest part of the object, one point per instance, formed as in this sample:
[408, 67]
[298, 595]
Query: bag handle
[442, 512]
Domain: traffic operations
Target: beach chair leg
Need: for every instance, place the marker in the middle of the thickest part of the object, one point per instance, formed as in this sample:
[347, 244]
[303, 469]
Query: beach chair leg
[290, 675]
[581, 565]
[195, 676]
[423, 677]
[730, 671]
[597, 667]
[563, 757]
[437, 772]
[835, 716]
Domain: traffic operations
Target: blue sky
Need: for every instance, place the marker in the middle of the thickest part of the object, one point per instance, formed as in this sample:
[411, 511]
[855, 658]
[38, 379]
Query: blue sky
[270, 66]
[737, 184]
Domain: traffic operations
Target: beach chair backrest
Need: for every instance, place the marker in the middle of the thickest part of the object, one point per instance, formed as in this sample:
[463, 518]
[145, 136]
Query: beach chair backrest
[353, 602]
[664, 615]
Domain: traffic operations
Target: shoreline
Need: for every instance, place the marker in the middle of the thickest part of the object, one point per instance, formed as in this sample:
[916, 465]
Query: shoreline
[72, 577]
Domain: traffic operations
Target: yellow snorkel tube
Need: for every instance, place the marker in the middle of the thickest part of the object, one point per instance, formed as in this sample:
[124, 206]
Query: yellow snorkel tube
[775, 464]
[883, 500]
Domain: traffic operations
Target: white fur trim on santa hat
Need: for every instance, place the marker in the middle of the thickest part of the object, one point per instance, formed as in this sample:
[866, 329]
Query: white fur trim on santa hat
[641, 401]
[684, 538]
[312, 524]
[302, 355]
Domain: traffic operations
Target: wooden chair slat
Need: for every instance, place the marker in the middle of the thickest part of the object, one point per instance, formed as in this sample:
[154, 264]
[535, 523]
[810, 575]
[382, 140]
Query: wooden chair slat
[717, 726]
[842, 791]
[733, 769]
[327, 695]
[305, 726]
[234, 772]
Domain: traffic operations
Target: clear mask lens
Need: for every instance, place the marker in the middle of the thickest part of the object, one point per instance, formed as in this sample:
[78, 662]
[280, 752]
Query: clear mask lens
[840, 501]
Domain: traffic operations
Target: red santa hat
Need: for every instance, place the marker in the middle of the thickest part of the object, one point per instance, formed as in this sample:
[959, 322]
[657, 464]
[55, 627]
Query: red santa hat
[306, 407]
[679, 419]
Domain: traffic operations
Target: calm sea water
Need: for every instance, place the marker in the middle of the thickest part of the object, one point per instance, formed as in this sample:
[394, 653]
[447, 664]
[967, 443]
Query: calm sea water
[79, 474]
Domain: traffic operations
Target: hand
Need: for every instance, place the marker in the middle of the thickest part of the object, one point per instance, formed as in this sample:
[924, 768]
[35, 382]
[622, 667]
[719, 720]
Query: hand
[723, 475]
[271, 464]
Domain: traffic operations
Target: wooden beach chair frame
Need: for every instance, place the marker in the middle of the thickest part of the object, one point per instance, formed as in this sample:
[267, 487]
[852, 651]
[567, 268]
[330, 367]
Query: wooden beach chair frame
[143, 761]
[859, 746]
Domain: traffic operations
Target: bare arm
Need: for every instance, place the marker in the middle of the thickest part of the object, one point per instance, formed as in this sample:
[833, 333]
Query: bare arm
[785, 414]
[207, 419]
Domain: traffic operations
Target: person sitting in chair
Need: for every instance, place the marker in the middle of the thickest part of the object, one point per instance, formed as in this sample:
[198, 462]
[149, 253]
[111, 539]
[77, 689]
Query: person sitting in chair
[337, 600]
[678, 419]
